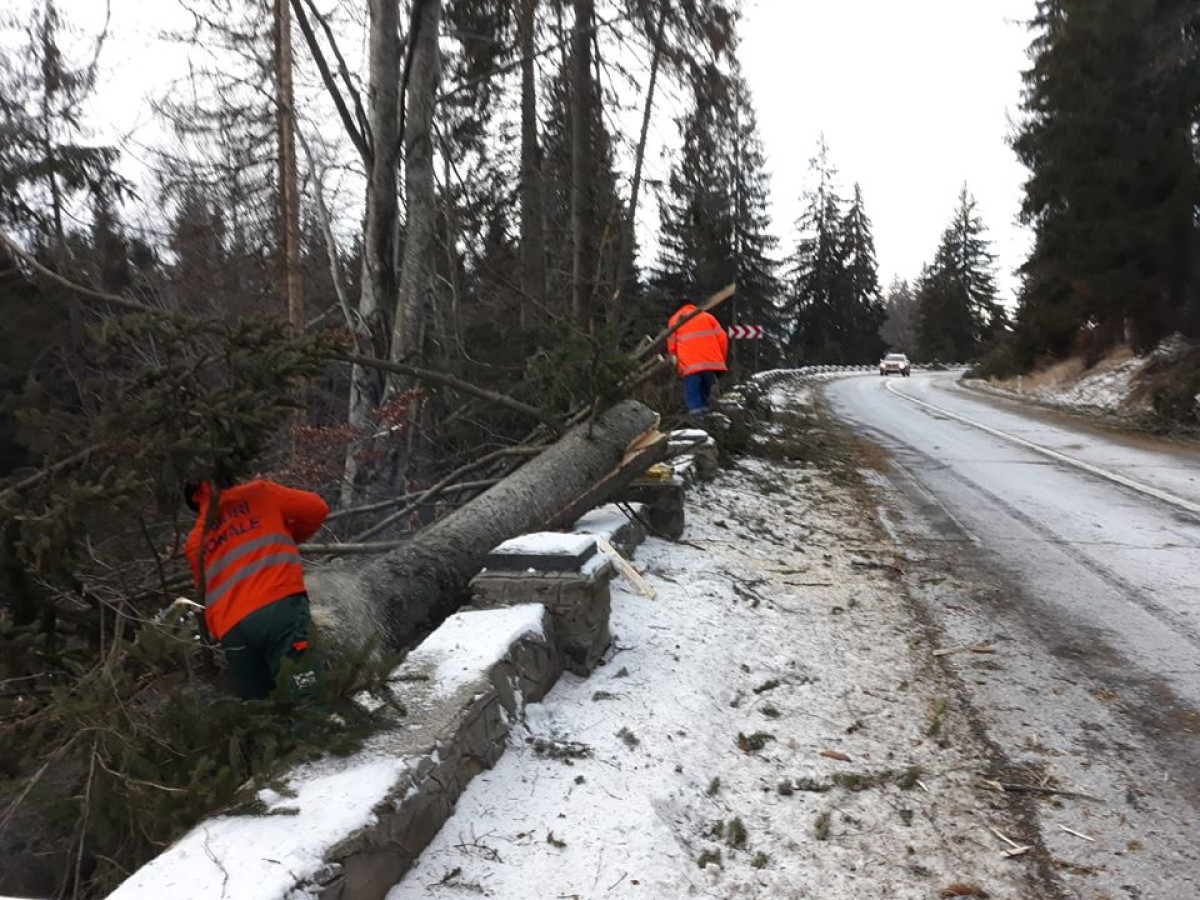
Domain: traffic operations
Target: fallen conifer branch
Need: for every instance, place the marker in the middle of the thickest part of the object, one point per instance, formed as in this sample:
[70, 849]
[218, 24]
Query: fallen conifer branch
[965, 648]
[462, 487]
[86, 293]
[1015, 788]
[454, 383]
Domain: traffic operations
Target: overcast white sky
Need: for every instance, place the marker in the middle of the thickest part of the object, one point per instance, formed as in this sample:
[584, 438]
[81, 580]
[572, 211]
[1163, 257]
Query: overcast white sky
[914, 98]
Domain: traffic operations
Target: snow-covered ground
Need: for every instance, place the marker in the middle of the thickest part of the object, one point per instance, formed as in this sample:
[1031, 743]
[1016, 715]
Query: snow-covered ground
[1112, 387]
[772, 725]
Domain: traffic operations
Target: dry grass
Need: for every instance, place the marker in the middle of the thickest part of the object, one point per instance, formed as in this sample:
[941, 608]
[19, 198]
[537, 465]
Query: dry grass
[963, 890]
[1065, 373]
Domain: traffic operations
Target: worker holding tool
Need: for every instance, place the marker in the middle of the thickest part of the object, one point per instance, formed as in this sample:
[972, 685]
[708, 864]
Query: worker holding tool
[699, 347]
[245, 561]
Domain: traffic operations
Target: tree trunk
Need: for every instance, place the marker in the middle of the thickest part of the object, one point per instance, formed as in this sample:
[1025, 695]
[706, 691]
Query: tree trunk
[378, 291]
[428, 575]
[628, 232]
[533, 236]
[419, 269]
[289, 202]
[581, 156]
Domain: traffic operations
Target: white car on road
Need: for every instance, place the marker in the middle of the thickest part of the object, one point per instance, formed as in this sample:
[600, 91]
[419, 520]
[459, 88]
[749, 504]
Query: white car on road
[895, 364]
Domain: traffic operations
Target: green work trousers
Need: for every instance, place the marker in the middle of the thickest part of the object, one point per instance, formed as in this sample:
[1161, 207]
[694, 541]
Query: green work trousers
[257, 646]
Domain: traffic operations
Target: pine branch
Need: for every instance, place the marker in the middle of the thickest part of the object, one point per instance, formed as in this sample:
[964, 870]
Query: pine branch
[430, 377]
[85, 293]
[407, 498]
[50, 471]
[433, 491]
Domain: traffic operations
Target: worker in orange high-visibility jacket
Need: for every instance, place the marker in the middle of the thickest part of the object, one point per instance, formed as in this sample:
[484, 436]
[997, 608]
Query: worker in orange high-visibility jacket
[700, 347]
[244, 559]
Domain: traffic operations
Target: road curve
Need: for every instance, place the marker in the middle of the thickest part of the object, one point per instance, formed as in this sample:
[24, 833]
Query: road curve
[1082, 549]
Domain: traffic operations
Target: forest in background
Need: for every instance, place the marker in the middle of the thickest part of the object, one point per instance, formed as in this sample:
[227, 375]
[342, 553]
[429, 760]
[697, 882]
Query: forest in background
[239, 313]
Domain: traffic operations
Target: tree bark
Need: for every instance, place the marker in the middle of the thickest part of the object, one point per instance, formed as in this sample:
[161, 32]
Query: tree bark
[581, 155]
[378, 291]
[428, 574]
[533, 236]
[285, 124]
[627, 233]
[418, 272]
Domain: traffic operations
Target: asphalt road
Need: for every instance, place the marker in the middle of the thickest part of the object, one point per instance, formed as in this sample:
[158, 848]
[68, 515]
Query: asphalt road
[1075, 552]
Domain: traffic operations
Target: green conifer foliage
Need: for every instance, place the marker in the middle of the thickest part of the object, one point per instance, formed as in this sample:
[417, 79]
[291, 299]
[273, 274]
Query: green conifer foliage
[957, 291]
[859, 293]
[1110, 107]
[821, 330]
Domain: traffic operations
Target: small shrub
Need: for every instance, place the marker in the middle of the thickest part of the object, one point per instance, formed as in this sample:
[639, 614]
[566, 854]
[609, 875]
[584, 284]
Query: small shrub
[811, 785]
[936, 715]
[767, 686]
[735, 833]
[713, 787]
[821, 828]
[630, 739]
[709, 857]
[754, 742]
[760, 860]
[771, 711]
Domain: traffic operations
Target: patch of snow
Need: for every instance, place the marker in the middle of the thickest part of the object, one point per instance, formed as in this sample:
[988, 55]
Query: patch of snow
[766, 591]
[469, 643]
[606, 520]
[263, 857]
[547, 543]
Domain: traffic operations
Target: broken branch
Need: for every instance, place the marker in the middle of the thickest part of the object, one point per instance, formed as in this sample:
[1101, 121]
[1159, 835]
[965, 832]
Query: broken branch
[452, 382]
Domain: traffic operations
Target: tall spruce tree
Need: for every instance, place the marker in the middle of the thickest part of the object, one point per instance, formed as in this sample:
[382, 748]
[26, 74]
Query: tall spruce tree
[715, 218]
[858, 293]
[959, 311]
[1111, 105]
[822, 323]
[755, 271]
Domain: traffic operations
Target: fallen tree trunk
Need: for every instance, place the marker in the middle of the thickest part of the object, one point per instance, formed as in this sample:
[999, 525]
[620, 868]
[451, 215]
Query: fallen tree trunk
[399, 594]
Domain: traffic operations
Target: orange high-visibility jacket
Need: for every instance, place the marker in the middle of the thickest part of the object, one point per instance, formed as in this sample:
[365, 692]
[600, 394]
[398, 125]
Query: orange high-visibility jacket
[250, 557]
[700, 345]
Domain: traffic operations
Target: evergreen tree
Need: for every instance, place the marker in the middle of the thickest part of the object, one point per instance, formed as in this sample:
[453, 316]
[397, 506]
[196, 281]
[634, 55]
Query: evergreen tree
[606, 213]
[818, 329]
[901, 328]
[715, 218]
[859, 294]
[959, 312]
[1111, 105]
[696, 231]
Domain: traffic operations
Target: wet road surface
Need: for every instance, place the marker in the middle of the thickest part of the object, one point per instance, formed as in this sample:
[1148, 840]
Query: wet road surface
[1075, 552]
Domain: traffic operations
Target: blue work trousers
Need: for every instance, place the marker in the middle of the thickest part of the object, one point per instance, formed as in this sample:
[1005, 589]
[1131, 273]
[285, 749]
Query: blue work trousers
[697, 391]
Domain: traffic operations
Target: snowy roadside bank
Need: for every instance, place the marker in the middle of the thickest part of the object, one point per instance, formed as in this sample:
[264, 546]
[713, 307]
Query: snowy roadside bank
[774, 724]
[1119, 390]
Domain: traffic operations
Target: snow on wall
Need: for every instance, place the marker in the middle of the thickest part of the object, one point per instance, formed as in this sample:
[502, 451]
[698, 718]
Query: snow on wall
[265, 857]
[469, 643]
[548, 543]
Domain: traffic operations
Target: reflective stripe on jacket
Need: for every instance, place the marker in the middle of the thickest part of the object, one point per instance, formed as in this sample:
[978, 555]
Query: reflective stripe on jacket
[250, 556]
[699, 345]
